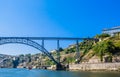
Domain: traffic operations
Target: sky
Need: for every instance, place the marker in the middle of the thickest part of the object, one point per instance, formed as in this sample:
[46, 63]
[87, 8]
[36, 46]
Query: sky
[54, 18]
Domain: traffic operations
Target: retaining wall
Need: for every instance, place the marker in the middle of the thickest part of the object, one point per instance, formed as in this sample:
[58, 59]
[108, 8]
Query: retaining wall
[97, 66]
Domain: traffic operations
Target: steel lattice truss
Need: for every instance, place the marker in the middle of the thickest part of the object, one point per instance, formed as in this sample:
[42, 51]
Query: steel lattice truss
[29, 42]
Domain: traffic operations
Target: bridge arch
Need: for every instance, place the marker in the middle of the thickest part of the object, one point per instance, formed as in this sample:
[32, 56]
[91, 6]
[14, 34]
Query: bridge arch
[28, 42]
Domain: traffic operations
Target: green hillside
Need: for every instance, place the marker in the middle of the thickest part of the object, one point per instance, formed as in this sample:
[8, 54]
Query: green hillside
[103, 50]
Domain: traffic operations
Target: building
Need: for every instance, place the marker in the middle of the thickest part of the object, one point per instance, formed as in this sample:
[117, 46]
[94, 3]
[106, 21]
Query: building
[112, 31]
[53, 51]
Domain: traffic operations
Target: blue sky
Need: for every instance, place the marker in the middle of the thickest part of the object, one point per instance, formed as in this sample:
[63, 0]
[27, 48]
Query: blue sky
[55, 18]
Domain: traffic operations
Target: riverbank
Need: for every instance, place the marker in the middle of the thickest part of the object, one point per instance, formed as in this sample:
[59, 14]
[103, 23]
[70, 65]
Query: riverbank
[95, 67]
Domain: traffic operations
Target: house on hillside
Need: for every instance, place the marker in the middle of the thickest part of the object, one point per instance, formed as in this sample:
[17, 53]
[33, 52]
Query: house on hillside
[53, 51]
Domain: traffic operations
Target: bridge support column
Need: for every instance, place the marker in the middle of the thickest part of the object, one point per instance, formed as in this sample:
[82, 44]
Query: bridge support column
[77, 46]
[58, 52]
[77, 51]
[59, 67]
[42, 53]
[43, 43]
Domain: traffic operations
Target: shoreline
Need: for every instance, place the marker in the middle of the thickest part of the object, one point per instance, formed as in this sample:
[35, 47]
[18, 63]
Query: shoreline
[90, 67]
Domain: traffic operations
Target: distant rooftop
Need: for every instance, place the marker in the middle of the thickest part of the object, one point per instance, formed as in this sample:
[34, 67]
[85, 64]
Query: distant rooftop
[113, 28]
[112, 31]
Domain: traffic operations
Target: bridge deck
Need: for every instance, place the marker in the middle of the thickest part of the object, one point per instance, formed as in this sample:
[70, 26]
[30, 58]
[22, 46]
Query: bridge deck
[48, 38]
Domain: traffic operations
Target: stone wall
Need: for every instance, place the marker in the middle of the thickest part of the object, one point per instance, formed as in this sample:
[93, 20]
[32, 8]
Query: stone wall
[96, 67]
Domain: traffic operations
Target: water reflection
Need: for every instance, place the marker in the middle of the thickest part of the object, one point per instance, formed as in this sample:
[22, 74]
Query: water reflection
[48, 73]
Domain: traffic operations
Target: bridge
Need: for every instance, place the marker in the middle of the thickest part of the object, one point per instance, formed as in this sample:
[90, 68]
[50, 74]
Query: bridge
[31, 42]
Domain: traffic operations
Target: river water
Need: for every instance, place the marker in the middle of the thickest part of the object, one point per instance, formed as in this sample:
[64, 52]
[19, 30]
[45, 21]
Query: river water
[47, 73]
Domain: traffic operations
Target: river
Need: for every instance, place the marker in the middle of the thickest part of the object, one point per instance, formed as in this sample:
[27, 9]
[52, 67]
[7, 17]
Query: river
[4, 72]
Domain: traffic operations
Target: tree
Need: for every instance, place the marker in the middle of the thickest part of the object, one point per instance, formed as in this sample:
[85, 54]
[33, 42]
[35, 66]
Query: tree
[105, 47]
[49, 62]
[104, 35]
[28, 57]
[61, 49]
[70, 59]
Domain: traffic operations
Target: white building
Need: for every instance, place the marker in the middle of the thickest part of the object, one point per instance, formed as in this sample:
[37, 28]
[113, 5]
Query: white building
[53, 51]
[112, 31]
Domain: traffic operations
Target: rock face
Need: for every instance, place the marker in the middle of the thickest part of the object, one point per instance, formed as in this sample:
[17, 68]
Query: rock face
[116, 59]
[96, 67]
[94, 59]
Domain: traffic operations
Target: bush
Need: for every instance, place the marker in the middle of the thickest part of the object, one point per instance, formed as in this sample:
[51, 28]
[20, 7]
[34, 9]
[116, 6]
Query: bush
[70, 59]
[102, 48]
[49, 62]
[104, 35]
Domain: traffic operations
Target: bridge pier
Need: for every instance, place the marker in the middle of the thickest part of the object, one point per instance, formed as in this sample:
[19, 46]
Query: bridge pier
[60, 67]
[42, 52]
[77, 51]
[58, 52]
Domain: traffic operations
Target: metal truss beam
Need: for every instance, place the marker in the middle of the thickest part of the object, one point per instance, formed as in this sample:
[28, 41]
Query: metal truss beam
[27, 42]
[49, 38]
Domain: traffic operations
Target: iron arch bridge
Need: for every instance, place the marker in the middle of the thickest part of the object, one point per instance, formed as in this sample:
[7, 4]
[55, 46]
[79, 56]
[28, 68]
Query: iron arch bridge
[30, 41]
